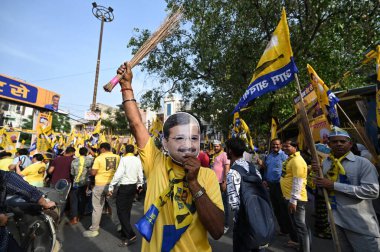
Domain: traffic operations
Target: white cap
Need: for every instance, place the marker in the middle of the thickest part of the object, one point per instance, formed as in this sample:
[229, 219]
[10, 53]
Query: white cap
[217, 142]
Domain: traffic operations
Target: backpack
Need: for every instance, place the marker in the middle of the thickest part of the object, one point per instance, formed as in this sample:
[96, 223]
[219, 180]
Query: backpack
[255, 219]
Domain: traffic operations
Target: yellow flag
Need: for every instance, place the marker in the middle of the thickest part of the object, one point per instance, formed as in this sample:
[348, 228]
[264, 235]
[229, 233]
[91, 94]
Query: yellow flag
[156, 127]
[326, 99]
[97, 127]
[273, 129]
[102, 138]
[319, 87]
[70, 139]
[276, 67]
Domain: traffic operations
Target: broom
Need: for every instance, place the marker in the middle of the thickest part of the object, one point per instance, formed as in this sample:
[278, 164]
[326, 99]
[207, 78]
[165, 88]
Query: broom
[163, 32]
[368, 144]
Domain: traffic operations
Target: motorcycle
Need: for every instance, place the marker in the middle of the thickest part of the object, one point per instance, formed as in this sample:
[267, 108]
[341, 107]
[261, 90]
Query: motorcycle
[35, 228]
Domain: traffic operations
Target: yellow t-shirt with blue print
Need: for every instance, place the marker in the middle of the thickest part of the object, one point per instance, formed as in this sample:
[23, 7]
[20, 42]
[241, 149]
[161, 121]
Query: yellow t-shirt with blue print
[195, 237]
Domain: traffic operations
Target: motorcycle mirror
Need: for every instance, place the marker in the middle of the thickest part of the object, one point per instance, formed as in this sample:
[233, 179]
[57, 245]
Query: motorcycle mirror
[61, 185]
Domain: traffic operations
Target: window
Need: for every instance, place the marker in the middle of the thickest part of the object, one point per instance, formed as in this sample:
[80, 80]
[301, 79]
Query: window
[169, 109]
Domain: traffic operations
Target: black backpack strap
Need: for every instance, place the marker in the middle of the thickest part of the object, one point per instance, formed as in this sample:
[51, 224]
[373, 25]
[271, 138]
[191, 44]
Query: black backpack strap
[250, 176]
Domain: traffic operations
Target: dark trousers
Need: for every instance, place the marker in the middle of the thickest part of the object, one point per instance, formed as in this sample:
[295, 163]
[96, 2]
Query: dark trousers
[77, 201]
[280, 209]
[124, 201]
[298, 220]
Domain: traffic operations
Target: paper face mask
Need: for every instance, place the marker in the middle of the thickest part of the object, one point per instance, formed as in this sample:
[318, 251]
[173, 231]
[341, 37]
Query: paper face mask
[181, 136]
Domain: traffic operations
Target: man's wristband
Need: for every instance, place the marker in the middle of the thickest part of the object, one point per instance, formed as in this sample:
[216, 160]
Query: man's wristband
[199, 193]
[128, 100]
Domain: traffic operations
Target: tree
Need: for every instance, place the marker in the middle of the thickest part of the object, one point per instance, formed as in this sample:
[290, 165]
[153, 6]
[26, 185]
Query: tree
[61, 123]
[210, 60]
[116, 122]
[27, 123]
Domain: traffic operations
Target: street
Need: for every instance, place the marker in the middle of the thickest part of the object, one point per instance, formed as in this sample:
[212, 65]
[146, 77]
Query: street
[108, 239]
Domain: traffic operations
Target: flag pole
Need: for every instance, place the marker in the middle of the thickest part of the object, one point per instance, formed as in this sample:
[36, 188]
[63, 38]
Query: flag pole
[352, 124]
[360, 135]
[309, 139]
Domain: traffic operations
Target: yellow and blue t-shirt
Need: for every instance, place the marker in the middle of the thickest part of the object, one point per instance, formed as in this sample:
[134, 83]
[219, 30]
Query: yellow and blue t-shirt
[195, 237]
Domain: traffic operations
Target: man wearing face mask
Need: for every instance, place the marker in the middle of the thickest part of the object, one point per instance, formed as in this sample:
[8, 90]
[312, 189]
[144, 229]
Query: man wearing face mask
[183, 200]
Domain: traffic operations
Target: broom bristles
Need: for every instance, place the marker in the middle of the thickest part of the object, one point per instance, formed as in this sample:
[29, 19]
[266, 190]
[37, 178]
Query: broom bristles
[169, 25]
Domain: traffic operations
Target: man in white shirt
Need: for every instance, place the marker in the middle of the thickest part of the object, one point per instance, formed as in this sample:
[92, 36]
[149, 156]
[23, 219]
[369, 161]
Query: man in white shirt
[129, 176]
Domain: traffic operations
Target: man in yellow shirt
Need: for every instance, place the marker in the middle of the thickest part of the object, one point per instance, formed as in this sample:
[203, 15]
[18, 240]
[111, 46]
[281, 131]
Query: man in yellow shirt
[33, 174]
[293, 187]
[5, 160]
[103, 169]
[183, 200]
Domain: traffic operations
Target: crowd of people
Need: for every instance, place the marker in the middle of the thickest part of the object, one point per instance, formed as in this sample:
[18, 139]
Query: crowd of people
[190, 192]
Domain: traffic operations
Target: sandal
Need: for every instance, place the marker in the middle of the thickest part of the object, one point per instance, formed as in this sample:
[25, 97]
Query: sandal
[125, 243]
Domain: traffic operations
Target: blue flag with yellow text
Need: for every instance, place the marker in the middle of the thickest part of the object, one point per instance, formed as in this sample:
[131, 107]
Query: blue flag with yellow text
[276, 67]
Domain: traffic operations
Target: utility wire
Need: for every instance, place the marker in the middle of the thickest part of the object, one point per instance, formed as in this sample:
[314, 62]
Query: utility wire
[72, 75]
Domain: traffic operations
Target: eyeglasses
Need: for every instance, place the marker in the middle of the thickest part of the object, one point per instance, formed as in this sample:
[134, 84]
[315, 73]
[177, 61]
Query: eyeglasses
[182, 139]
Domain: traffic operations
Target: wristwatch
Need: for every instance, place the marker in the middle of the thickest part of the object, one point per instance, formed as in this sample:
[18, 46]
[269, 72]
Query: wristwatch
[199, 193]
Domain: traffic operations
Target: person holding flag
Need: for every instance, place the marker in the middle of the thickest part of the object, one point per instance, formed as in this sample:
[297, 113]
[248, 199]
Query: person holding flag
[183, 200]
[352, 184]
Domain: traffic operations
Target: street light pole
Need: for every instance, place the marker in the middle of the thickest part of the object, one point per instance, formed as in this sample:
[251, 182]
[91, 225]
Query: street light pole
[104, 15]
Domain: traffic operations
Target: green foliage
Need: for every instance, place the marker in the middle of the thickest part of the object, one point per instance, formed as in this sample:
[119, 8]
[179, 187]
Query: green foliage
[210, 60]
[61, 123]
[116, 123]
[27, 123]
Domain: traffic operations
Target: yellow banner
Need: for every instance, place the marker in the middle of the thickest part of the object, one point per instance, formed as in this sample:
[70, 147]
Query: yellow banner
[27, 94]
[41, 142]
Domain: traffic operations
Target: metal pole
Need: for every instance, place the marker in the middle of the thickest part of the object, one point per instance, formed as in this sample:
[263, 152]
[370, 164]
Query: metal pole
[104, 15]
[97, 66]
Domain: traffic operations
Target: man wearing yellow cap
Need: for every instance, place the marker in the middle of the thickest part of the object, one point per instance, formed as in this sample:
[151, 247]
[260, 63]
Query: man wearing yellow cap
[352, 184]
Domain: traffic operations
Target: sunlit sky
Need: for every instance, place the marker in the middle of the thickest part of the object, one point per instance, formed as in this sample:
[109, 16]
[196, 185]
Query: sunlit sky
[54, 45]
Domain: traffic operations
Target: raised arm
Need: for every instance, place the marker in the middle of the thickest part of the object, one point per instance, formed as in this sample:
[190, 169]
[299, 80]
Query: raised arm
[130, 107]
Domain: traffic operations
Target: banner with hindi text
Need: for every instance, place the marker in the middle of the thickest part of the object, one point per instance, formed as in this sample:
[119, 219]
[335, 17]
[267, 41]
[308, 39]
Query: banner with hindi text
[27, 94]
